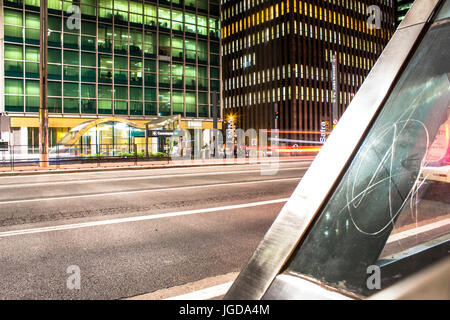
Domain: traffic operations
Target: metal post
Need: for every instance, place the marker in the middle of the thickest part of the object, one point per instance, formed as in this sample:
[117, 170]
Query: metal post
[43, 110]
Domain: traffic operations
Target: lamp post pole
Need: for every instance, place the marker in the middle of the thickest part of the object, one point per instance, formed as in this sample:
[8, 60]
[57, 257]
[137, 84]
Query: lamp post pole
[43, 110]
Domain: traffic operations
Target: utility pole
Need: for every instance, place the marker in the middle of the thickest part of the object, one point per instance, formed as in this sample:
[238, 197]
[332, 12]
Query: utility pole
[43, 110]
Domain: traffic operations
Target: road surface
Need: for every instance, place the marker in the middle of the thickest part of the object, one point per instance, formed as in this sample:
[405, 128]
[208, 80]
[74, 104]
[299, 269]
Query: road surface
[132, 232]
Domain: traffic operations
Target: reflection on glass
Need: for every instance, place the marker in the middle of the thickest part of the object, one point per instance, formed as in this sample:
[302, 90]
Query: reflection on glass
[392, 207]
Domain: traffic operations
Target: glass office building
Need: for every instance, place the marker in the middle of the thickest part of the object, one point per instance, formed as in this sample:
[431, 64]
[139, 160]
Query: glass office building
[138, 60]
[286, 55]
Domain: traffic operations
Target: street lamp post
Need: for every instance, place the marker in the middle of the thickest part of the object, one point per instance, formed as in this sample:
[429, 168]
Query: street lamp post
[43, 110]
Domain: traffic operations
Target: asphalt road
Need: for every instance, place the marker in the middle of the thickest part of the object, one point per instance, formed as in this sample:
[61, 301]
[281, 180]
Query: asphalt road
[134, 231]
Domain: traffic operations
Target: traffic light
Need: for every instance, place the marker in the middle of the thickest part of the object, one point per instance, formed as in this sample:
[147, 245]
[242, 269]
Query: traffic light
[277, 115]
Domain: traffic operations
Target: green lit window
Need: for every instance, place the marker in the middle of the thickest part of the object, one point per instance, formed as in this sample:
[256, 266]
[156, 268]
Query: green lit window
[32, 88]
[13, 34]
[120, 107]
[202, 25]
[164, 102]
[150, 65]
[149, 44]
[150, 79]
[54, 39]
[136, 12]
[88, 91]
[190, 3]
[104, 91]
[32, 36]
[88, 106]
[88, 59]
[164, 13]
[150, 94]
[71, 89]
[121, 76]
[70, 41]
[177, 20]
[54, 72]
[150, 108]
[136, 108]
[88, 43]
[202, 4]
[121, 62]
[54, 56]
[31, 104]
[150, 14]
[32, 70]
[32, 20]
[88, 74]
[164, 45]
[55, 4]
[71, 57]
[202, 98]
[71, 105]
[136, 93]
[104, 106]
[54, 105]
[191, 108]
[178, 102]
[54, 23]
[88, 28]
[14, 103]
[89, 11]
[34, 3]
[164, 67]
[105, 3]
[13, 86]
[135, 42]
[215, 73]
[13, 68]
[120, 92]
[54, 88]
[32, 54]
[71, 73]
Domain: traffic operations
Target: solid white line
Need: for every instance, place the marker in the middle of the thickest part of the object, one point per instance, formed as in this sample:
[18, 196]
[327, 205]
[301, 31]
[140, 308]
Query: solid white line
[125, 169]
[205, 294]
[418, 230]
[34, 184]
[135, 219]
[144, 191]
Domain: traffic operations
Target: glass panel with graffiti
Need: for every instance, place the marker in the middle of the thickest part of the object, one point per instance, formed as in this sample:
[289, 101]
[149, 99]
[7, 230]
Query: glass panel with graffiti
[391, 210]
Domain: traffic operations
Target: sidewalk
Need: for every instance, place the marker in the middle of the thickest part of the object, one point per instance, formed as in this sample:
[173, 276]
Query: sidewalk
[7, 170]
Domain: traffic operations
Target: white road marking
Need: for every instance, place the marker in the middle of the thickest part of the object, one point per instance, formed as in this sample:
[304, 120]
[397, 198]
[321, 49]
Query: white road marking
[205, 294]
[144, 191]
[135, 219]
[34, 184]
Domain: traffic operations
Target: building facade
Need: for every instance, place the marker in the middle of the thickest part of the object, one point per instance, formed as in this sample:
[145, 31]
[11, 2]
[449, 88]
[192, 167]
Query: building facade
[278, 60]
[136, 60]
